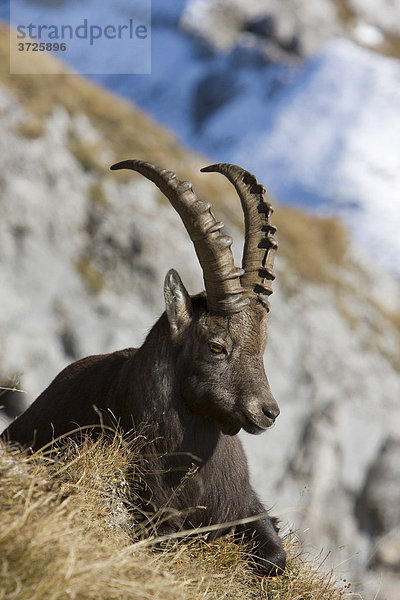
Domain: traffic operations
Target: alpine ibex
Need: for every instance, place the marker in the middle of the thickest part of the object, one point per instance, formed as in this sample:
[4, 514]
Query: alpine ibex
[197, 379]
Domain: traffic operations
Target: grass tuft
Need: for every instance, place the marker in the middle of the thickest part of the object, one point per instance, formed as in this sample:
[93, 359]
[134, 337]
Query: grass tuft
[31, 128]
[90, 274]
[314, 247]
[68, 530]
[96, 194]
[87, 155]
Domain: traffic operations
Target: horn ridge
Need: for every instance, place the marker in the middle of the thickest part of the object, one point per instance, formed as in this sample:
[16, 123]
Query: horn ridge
[225, 294]
[260, 246]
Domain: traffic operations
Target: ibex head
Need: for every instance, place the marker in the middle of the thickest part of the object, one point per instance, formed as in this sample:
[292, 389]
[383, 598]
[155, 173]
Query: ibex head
[221, 335]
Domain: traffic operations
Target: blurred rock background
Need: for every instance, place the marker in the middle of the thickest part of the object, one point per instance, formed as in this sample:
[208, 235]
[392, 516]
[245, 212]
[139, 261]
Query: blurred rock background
[291, 91]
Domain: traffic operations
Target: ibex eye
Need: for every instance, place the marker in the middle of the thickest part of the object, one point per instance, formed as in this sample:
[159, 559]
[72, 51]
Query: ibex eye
[216, 348]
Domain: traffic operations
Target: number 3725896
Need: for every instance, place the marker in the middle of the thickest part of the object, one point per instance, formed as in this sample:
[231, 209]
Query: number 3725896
[42, 47]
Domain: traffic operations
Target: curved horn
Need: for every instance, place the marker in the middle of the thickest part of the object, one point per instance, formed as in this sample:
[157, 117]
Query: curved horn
[260, 245]
[225, 294]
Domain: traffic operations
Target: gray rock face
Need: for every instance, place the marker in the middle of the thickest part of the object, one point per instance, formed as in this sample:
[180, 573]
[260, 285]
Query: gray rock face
[377, 510]
[294, 27]
[297, 26]
[339, 401]
[81, 276]
[384, 14]
[378, 506]
[68, 264]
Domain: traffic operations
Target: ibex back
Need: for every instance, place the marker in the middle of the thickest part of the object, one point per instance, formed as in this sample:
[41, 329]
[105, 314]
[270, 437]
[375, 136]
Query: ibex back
[197, 379]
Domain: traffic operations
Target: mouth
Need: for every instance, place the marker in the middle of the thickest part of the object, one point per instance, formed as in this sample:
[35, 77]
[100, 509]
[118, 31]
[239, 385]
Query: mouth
[252, 427]
[242, 420]
[232, 421]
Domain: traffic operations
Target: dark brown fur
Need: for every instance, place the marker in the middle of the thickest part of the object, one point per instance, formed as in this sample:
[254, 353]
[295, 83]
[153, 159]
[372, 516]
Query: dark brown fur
[193, 400]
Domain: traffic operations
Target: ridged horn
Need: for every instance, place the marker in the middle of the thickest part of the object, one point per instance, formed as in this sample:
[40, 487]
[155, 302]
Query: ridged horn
[260, 245]
[225, 294]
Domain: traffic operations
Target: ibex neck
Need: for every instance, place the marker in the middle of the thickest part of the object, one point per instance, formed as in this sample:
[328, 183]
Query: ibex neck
[154, 392]
[153, 371]
[146, 386]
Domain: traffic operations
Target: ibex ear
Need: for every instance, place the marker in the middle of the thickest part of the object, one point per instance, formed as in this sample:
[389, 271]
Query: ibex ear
[177, 304]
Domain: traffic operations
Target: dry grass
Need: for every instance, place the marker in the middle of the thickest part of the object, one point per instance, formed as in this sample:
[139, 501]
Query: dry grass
[31, 129]
[391, 318]
[67, 530]
[90, 274]
[314, 247]
[96, 194]
[390, 45]
[88, 156]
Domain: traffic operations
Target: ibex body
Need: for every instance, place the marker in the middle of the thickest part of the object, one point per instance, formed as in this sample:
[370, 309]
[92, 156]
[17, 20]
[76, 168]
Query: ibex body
[197, 379]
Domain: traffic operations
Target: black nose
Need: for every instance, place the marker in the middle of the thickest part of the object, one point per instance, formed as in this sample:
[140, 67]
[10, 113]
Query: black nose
[271, 413]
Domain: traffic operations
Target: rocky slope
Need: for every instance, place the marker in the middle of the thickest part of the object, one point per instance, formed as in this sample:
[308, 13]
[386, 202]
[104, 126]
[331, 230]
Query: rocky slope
[291, 91]
[82, 258]
[296, 26]
[297, 91]
[327, 140]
